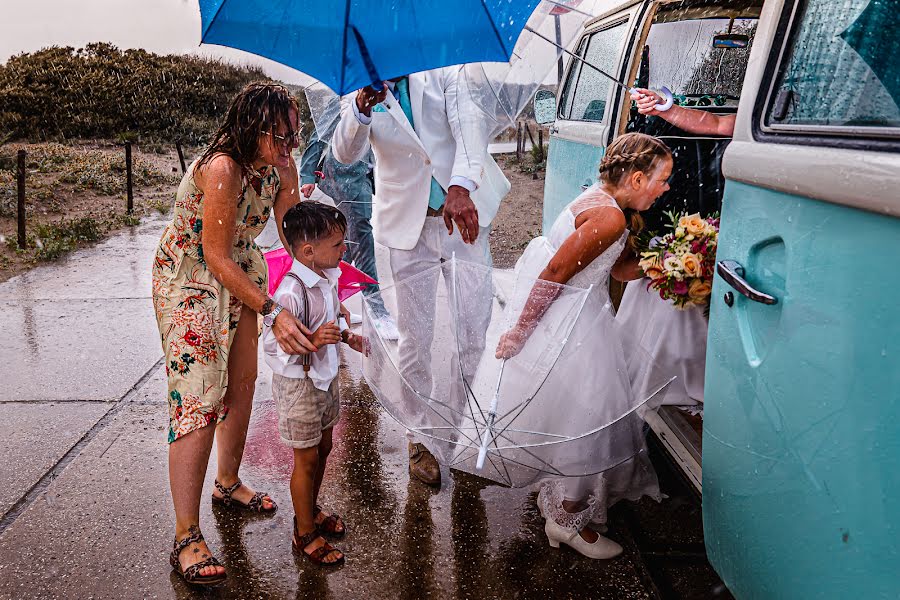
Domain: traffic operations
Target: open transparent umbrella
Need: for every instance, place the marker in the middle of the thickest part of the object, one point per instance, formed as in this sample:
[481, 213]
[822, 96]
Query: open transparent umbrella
[517, 420]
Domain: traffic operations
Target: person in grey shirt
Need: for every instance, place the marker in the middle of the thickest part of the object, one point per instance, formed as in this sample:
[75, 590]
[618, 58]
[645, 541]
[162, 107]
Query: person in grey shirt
[351, 187]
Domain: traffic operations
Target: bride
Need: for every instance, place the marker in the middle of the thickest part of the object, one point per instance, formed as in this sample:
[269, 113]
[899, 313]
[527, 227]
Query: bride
[586, 244]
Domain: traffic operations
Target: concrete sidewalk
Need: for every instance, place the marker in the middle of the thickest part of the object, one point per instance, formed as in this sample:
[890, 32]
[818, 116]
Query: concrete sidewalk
[84, 492]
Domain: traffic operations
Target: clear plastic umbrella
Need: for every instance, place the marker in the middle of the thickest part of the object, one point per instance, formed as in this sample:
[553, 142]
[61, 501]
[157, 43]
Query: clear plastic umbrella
[503, 90]
[516, 420]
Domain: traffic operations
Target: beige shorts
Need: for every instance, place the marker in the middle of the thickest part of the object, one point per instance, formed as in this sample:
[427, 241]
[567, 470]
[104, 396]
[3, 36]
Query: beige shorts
[304, 411]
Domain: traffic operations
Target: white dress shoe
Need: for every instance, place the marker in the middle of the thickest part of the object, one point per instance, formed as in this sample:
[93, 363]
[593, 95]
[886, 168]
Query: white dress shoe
[603, 548]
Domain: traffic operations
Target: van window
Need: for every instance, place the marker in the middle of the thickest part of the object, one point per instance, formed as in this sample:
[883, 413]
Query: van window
[680, 55]
[841, 67]
[586, 90]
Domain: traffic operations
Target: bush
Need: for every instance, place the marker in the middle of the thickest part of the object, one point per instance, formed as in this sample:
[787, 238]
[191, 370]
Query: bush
[100, 91]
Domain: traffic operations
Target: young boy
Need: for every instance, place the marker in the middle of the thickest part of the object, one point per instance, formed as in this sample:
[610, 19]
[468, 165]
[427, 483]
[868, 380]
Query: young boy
[305, 386]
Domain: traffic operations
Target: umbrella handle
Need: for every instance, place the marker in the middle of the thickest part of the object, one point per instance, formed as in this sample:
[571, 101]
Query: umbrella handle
[668, 98]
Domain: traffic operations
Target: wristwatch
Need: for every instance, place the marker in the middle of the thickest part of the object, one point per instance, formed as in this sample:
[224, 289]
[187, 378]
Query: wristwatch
[269, 319]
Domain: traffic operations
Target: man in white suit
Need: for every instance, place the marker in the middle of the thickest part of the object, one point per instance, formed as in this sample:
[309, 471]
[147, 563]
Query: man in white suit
[437, 191]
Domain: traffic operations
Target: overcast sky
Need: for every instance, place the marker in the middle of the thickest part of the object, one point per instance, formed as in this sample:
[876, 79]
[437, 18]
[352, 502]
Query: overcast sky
[161, 26]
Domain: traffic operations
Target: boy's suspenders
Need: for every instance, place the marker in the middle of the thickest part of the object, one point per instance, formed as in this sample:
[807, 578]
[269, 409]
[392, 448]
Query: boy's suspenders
[303, 316]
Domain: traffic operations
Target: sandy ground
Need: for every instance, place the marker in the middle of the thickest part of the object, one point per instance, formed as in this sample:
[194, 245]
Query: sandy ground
[520, 215]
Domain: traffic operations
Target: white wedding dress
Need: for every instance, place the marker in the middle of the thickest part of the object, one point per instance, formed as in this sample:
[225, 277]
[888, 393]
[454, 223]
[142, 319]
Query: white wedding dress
[591, 382]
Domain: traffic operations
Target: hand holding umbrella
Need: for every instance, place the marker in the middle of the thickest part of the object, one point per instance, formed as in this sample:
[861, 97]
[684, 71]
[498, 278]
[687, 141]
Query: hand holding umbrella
[368, 97]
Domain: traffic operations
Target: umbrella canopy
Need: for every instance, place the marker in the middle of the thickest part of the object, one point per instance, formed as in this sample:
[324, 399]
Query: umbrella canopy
[348, 45]
[501, 89]
[518, 420]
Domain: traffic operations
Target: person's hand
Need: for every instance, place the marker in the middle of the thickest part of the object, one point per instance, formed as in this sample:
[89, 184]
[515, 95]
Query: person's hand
[646, 101]
[511, 343]
[368, 97]
[307, 189]
[291, 335]
[359, 343]
[327, 333]
[459, 209]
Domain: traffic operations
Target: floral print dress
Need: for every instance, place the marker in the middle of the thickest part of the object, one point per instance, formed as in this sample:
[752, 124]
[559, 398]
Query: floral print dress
[197, 316]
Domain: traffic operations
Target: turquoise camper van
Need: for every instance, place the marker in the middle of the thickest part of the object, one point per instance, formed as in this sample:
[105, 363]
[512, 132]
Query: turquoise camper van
[798, 454]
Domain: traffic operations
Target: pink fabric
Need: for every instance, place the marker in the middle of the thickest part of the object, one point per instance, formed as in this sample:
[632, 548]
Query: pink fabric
[352, 279]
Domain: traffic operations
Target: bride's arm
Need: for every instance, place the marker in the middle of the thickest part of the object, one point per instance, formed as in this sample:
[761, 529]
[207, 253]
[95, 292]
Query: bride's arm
[627, 268]
[596, 230]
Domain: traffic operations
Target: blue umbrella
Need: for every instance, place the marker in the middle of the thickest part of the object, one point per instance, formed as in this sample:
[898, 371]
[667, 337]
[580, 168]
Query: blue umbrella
[348, 45]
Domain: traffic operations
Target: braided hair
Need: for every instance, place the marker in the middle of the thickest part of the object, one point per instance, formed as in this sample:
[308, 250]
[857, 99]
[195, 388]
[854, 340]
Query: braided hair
[257, 109]
[629, 153]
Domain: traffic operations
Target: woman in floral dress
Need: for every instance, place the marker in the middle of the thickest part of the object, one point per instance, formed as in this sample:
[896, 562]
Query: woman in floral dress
[209, 292]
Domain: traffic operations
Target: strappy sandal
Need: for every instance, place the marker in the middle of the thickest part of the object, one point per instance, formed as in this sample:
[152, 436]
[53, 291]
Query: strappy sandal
[255, 504]
[317, 556]
[192, 574]
[329, 525]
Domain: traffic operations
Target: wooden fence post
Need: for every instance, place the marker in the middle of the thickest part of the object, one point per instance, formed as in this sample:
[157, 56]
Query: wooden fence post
[519, 138]
[128, 179]
[530, 137]
[20, 212]
[180, 156]
[540, 144]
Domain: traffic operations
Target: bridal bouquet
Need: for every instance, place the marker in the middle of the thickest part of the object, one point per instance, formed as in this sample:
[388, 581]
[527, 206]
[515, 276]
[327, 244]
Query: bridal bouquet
[680, 265]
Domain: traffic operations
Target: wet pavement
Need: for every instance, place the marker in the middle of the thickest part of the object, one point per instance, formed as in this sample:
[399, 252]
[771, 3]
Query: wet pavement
[85, 501]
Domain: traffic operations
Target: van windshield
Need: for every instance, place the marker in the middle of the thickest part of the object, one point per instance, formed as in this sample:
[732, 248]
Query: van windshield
[681, 56]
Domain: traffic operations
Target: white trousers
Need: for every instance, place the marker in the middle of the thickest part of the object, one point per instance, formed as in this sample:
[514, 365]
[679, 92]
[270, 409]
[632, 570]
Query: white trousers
[416, 307]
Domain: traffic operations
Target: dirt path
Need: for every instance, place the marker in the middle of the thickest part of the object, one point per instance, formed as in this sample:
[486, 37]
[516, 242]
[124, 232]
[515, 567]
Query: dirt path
[520, 215]
[75, 195]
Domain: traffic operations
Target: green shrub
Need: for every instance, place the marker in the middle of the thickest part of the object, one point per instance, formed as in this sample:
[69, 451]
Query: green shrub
[100, 91]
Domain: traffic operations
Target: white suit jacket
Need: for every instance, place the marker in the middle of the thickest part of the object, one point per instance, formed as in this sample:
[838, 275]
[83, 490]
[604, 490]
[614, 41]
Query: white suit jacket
[449, 140]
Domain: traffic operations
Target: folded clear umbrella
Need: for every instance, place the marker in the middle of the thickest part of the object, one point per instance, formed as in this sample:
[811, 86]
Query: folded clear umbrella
[562, 407]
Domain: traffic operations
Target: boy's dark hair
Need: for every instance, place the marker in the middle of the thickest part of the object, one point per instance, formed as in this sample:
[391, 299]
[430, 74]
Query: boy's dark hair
[308, 221]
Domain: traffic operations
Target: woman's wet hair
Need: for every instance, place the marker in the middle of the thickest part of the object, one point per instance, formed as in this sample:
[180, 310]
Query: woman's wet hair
[629, 153]
[309, 221]
[258, 109]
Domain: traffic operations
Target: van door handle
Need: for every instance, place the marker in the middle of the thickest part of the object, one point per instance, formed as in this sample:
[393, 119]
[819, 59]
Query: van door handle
[553, 129]
[733, 273]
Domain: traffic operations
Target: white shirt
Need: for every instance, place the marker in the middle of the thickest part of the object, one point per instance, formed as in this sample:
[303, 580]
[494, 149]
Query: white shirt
[324, 306]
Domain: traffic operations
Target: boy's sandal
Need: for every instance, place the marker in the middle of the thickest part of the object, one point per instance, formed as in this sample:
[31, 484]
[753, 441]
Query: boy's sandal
[255, 504]
[192, 574]
[332, 525]
[317, 556]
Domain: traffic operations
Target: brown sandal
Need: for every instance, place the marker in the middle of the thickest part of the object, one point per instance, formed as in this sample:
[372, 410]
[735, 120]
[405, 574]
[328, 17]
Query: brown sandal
[255, 504]
[192, 574]
[317, 556]
[329, 525]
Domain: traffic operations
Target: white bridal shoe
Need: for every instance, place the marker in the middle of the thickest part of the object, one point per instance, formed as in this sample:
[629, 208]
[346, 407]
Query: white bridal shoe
[603, 548]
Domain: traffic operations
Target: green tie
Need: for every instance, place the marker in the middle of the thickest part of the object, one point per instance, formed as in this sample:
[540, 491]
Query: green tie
[436, 198]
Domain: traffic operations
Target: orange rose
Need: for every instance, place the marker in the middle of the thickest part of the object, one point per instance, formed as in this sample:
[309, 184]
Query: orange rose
[653, 272]
[693, 224]
[699, 291]
[691, 264]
